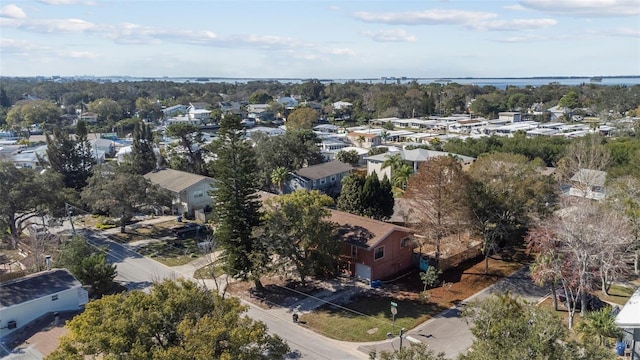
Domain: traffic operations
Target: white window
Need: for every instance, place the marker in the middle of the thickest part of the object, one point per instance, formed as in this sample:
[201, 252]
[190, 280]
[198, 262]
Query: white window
[378, 253]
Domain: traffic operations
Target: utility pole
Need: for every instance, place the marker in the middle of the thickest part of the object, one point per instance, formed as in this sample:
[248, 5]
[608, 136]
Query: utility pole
[69, 210]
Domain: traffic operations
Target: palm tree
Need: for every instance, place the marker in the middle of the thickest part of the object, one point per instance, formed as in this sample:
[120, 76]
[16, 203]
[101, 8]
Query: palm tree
[278, 176]
[599, 326]
[360, 139]
[393, 161]
[401, 176]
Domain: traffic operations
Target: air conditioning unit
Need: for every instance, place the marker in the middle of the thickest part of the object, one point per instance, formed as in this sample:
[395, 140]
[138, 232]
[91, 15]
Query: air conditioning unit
[11, 324]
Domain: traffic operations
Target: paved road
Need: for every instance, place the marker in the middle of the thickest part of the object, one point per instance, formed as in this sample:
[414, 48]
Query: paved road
[448, 332]
[136, 272]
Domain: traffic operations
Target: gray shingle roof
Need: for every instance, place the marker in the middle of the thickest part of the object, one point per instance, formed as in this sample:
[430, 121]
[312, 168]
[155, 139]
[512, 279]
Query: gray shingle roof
[174, 180]
[323, 170]
[35, 286]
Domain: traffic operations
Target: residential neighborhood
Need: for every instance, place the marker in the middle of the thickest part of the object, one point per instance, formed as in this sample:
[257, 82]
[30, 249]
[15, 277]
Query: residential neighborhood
[375, 231]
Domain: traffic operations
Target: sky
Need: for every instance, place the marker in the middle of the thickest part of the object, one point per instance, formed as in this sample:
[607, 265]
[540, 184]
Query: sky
[348, 39]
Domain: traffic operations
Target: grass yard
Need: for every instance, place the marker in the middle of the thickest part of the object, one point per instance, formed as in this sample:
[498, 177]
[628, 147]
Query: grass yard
[174, 253]
[618, 294]
[205, 272]
[369, 318]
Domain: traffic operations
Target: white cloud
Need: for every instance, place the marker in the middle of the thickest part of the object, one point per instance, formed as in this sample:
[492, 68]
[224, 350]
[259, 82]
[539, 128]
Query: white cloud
[522, 39]
[18, 46]
[12, 11]
[426, 17]
[342, 51]
[53, 25]
[516, 7]
[593, 8]
[67, 2]
[513, 25]
[79, 54]
[390, 36]
[630, 32]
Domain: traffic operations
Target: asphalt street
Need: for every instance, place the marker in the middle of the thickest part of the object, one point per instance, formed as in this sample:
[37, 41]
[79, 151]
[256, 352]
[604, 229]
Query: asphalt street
[447, 332]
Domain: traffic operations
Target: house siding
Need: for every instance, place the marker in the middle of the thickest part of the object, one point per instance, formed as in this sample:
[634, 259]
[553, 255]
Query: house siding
[396, 259]
[24, 313]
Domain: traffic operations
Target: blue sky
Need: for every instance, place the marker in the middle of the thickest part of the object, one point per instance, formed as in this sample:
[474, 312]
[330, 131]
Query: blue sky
[320, 39]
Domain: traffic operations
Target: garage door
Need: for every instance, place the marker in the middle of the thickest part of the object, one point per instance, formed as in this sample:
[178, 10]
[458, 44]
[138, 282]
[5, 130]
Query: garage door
[363, 271]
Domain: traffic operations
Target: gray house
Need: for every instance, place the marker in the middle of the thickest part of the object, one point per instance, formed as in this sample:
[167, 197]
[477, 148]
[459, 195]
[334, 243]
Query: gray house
[190, 191]
[325, 177]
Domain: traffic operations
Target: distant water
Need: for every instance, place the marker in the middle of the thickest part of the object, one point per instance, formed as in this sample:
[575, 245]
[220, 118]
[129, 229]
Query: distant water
[500, 83]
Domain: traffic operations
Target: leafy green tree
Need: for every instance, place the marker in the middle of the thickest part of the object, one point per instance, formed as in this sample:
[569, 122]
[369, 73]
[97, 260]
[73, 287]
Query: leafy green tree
[148, 109]
[87, 264]
[237, 210]
[438, 195]
[302, 118]
[108, 110]
[349, 157]
[412, 351]
[297, 228]
[599, 326]
[260, 98]
[26, 194]
[570, 100]
[175, 320]
[366, 196]
[508, 193]
[504, 327]
[121, 194]
[350, 198]
[70, 157]
[142, 158]
[187, 155]
[430, 277]
[33, 112]
[377, 150]
[292, 151]
[311, 90]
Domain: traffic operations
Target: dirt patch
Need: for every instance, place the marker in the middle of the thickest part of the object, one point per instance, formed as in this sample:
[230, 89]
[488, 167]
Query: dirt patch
[456, 285]
[277, 292]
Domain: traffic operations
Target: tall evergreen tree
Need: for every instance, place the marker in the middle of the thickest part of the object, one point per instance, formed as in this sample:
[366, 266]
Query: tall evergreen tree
[72, 158]
[237, 210]
[142, 159]
[350, 194]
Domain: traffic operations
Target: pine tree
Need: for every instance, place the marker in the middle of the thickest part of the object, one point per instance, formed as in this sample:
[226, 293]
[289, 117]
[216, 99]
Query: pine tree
[70, 158]
[237, 209]
[350, 194]
[142, 159]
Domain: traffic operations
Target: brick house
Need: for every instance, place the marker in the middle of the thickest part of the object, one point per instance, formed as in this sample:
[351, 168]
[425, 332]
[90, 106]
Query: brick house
[373, 249]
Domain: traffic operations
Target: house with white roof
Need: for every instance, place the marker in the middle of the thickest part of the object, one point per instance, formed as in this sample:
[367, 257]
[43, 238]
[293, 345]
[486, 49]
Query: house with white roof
[589, 184]
[413, 157]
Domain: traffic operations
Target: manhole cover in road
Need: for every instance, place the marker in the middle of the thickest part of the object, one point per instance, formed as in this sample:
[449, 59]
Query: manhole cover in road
[372, 331]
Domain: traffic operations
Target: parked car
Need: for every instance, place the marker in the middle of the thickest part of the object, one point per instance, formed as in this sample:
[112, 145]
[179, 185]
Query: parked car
[593, 302]
[188, 229]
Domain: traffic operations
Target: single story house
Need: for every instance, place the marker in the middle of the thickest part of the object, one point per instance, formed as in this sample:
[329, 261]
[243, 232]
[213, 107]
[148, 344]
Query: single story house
[365, 139]
[89, 117]
[325, 177]
[105, 145]
[174, 110]
[589, 184]
[373, 249]
[190, 191]
[413, 157]
[26, 299]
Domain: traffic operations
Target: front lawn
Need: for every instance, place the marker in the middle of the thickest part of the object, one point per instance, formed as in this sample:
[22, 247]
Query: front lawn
[369, 318]
[174, 253]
